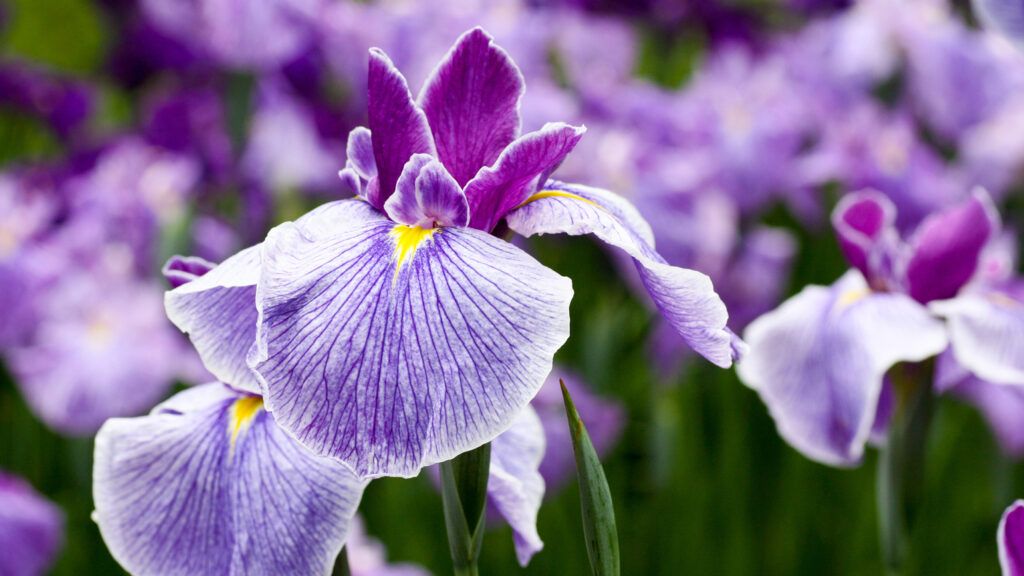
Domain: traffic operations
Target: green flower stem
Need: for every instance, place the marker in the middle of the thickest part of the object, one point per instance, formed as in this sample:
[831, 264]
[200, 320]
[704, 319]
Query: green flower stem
[464, 494]
[901, 462]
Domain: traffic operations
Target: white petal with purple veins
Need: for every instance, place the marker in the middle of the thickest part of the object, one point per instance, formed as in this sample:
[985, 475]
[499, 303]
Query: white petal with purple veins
[987, 333]
[819, 359]
[516, 487]
[209, 484]
[393, 347]
[685, 297]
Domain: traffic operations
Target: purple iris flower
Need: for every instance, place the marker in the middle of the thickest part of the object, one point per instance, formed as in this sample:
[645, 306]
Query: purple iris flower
[207, 483]
[62, 103]
[1010, 539]
[394, 330]
[819, 360]
[31, 529]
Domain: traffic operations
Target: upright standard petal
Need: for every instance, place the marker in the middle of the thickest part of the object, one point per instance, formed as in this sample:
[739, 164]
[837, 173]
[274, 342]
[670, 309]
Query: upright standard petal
[986, 330]
[519, 170]
[515, 487]
[865, 227]
[31, 529]
[427, 196]
[393, 347]
[685, 297]
[1011, 540]
[399, 128]
[819, 359]
[218, 311]
[946, 248]
[472, 103]
[209, 484]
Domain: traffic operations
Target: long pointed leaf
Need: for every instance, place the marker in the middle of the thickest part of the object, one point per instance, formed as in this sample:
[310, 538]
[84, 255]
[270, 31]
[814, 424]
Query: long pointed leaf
[595, 497]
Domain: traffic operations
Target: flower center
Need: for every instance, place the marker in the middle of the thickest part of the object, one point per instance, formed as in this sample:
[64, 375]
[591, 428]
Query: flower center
[242, 412]
[408, 240]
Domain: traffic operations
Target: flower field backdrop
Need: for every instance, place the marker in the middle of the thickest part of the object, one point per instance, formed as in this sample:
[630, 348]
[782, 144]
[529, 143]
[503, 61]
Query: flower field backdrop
[743, 131]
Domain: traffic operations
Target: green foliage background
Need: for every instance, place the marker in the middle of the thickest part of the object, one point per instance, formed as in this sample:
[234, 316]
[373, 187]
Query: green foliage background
[701, 481]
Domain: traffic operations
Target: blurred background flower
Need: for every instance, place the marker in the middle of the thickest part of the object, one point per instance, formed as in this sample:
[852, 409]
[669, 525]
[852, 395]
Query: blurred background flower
[132, 130]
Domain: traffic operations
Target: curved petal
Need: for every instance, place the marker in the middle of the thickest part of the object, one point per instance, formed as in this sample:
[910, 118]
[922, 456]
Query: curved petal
[427, 196]
[359, 153]
[865, 225]
[472, 103]
[398, 127]
[31, 528]
[184, 269]
[1011, 540]
[209, 484]
[818, 362]
[392, 348]
[685, 297]
[218, 308]
[497, 189]
[986, 329]
[218, 312]
[515, 486]
[946, 248]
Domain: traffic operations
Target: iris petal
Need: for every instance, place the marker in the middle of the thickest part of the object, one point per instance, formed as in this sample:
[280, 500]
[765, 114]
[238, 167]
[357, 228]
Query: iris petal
[818, 362]
[391, 348]
[685, 297]
[205, 486]
[516, 487]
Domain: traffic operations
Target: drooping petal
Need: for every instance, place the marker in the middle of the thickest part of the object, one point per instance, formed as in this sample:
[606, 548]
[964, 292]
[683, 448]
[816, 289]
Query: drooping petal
[209, 484]
[218, 311]
[986, 330]
[818, 362]
[31, 529]
[946, 248]
[864, 223]
[685, 297]
[427, 196]
[399, 128]
[472, 103]
[1011, 540]
[218, 308]
[515, 486]
[515, 176]
[392, 347]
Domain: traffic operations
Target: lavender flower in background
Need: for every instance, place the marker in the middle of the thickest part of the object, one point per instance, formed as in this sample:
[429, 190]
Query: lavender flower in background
[367, 556]
[1010, 539]
[31, 528]
[62, 103]
[435, 176]
[818, 361]
[1004, 17]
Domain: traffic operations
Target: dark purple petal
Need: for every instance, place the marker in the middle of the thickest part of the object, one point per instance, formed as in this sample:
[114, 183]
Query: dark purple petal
[398, 127]
[818, 362]
[184, 269]
[1011, 540]
[946, 248]
[392, 348]
[472, 103]
[519, 170]
[427, 196]
[31, 529]
[684, 297]
[864, 223]
[209, 484]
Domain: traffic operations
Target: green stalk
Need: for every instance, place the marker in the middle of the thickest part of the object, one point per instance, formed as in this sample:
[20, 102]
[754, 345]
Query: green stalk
[901, 462]
[464, 494]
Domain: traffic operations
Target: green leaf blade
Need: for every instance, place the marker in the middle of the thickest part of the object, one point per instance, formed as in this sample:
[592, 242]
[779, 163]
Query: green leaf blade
[595, 497]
